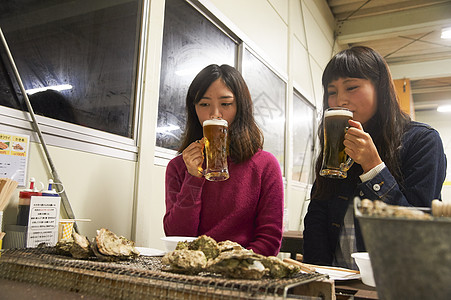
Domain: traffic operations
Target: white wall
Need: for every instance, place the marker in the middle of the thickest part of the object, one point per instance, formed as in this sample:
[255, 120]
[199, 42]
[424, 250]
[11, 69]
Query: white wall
[98, 187]
[442, 123]
[294, 36]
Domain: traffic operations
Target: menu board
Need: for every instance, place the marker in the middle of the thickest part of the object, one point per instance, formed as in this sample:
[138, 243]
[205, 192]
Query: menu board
[14, 152]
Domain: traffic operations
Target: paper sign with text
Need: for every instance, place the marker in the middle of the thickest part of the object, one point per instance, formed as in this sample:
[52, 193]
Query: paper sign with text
[43, 221]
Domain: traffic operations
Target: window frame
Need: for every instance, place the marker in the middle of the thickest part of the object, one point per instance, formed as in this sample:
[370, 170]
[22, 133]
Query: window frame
[77, 137]
[163, 155]
[284, 79]
[299, 185]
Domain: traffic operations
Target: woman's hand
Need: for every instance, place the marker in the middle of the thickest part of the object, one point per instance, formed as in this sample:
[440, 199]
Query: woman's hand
[193, 156]
[360, 147]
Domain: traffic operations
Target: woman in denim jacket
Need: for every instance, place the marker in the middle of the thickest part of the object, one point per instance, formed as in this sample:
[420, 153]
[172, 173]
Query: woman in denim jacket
[397, 160]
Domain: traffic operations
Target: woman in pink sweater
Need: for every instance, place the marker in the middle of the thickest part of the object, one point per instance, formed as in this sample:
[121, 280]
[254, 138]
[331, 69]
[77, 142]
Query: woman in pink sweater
[247, 208]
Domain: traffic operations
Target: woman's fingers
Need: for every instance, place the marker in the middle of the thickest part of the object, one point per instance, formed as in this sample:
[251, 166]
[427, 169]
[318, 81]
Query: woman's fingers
[355, 124]
[193, 157]
[360, 147]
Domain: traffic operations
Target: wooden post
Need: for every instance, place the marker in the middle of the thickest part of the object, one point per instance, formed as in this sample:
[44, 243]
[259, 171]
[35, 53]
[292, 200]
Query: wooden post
[405, 99]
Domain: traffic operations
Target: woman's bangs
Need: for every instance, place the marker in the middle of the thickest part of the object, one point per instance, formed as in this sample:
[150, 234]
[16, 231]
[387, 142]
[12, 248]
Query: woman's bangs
[343, 66]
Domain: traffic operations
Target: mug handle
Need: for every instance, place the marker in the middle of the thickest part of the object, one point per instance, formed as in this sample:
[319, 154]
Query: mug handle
[344, 167]
[201, 171]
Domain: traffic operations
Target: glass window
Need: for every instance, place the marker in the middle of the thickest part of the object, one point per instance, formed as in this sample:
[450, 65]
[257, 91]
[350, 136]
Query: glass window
[190, 43]
[304, 134]
[268, 95]
[84, 53]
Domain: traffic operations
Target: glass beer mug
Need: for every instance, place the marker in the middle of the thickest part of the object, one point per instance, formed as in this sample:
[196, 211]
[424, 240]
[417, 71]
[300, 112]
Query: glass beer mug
[336, 162]
[215, 139]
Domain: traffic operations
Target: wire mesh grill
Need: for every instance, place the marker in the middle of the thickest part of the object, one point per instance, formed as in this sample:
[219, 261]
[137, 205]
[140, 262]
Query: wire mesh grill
[140, 278]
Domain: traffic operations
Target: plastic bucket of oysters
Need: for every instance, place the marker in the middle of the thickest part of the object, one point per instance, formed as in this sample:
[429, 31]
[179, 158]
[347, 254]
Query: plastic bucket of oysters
[409, 248]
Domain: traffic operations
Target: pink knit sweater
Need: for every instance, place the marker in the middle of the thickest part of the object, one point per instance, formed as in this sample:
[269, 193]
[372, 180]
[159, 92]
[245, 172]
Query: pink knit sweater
[247, 208]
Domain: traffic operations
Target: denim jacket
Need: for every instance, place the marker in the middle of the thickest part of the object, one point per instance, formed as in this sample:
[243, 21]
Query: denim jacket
[423, 167]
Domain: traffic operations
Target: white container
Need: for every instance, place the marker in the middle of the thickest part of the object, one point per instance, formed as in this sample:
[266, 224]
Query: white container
[362, 259]
[171, 241]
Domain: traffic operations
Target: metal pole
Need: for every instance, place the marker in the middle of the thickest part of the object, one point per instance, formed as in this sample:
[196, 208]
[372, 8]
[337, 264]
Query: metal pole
[67, 209]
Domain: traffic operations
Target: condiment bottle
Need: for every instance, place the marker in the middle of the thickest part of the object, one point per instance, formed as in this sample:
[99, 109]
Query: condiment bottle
[50, 191]
[24, 203]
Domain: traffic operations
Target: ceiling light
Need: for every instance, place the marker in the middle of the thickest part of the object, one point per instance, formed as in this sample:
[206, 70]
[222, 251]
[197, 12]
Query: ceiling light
[446, 33]
[444, 108]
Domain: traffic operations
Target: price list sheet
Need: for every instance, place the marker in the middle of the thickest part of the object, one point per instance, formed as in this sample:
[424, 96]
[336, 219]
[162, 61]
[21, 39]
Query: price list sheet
[14, 152]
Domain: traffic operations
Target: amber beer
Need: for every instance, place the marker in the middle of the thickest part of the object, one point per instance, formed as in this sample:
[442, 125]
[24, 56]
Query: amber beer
[335, 160]
[215, 134]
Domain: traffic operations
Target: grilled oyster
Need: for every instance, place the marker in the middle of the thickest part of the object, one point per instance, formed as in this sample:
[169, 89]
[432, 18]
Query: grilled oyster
[99, 255]
[185, 261]
[226, 258]
[107, 243]
[182, 245]
[229, 246]
[63, 247]
[243, 264]
[77, 246]
[278, 268]
[203, 243]
[80, 247]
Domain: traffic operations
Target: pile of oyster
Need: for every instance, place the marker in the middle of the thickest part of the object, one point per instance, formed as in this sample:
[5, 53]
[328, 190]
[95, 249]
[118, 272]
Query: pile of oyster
[106, 246]
[381, 209]
[226, 258]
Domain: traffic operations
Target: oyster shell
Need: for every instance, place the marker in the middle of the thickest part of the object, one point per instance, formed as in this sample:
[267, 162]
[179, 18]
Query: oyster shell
[81, 247]
[278, 268]
[99, 255]
[226, 258]
[63, 247]
[185, 261]
[203, 243]
[229, 246]
[242, 264]
[182, 245]
[109, 244]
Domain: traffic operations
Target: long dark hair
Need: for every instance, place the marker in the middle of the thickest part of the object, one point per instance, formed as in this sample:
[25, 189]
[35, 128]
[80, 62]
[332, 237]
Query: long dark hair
[245, 138]
[389, 122]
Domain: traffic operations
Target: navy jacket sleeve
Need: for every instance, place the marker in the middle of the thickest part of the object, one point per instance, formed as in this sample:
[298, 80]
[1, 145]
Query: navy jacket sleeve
[423, 166]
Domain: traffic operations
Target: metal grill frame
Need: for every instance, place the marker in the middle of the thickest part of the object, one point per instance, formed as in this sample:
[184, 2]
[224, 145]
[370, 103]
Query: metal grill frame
[140, 278]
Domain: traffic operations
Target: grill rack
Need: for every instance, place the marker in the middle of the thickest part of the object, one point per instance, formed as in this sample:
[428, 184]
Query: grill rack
[140, 278]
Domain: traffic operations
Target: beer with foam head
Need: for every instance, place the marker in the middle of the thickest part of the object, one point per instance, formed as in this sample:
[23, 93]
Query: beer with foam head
[215, 139]
[335, 160]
